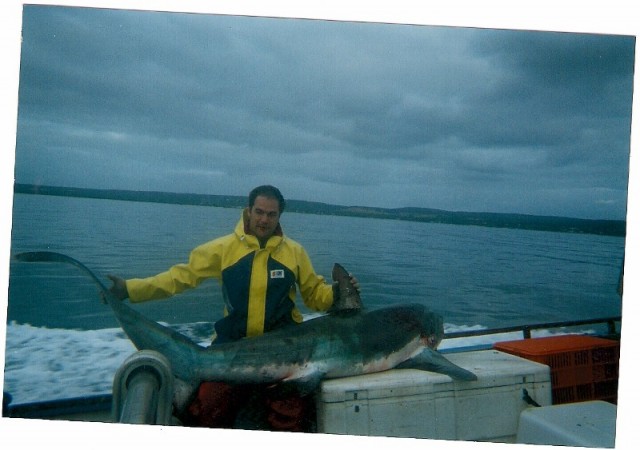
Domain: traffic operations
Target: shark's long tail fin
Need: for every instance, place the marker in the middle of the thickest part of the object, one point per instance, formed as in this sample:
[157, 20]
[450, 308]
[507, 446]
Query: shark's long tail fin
[59, 257]
[145, 334]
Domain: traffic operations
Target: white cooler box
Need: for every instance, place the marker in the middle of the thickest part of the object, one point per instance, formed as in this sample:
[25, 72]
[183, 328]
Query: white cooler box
[583, 424]
[415, 403]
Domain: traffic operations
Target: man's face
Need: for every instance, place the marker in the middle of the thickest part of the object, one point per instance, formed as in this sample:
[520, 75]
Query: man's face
[264, 216]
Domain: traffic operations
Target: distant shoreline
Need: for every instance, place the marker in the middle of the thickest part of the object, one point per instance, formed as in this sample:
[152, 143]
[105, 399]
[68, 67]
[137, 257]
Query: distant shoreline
[495, 220]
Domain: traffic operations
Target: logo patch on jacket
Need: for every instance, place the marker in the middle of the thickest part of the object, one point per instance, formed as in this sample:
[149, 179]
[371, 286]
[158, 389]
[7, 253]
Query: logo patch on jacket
[279, 273]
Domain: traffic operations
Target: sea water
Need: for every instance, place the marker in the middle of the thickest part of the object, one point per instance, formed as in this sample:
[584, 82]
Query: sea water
[63, 342]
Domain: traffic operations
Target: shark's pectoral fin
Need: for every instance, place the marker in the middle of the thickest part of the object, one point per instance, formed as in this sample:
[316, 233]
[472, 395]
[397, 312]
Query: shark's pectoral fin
[433, 361]
[183, 394]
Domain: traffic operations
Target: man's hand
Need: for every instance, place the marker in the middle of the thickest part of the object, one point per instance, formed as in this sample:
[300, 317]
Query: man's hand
[354, 282]
[119, 288]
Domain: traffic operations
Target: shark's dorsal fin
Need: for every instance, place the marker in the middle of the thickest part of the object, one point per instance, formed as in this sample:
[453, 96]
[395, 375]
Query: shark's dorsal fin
[346, 296]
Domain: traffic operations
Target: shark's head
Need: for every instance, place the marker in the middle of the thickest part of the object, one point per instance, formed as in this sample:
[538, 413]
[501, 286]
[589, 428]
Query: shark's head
[432, 328]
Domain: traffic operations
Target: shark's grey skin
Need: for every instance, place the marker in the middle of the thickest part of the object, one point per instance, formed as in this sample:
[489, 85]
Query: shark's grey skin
[331, 346]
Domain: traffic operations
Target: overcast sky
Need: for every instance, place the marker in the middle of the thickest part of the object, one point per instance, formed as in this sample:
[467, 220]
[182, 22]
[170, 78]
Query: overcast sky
[338, 112]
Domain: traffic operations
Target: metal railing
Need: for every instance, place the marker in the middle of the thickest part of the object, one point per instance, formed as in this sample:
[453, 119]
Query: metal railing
[526, 329]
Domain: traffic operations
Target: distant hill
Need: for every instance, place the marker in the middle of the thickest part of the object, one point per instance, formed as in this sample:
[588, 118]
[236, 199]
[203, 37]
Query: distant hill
[498, 220]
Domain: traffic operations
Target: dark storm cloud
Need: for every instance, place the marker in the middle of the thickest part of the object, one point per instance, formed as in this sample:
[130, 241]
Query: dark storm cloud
[557, 82]
[375, 114]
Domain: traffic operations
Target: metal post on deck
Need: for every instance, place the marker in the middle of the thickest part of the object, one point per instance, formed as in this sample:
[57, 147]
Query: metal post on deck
[143, 390]
[611, 327]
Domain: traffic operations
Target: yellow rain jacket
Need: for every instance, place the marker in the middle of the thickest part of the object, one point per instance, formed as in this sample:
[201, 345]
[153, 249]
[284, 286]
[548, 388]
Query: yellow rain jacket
[258, 284]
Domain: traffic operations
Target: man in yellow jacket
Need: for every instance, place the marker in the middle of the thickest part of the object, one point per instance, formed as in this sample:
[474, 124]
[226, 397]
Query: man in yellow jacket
[258, 268]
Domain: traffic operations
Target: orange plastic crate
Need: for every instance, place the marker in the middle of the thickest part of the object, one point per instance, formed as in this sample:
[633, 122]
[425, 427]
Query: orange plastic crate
[582, 367]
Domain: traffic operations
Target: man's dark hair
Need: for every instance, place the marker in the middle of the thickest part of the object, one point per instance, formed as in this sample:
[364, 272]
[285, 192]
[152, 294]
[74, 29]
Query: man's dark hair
[269, 192]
